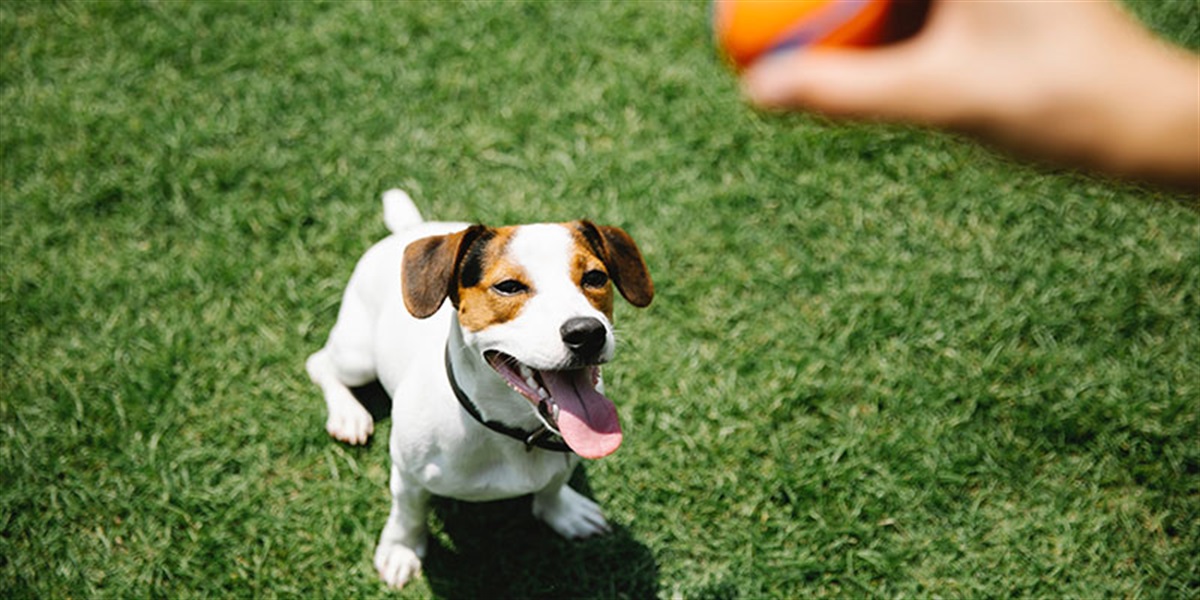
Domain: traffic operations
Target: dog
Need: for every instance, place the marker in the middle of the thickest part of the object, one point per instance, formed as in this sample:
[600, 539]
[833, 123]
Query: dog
[490, 343]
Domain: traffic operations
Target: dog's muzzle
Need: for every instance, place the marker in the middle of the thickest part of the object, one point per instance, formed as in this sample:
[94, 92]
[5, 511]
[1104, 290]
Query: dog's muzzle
[585, 418]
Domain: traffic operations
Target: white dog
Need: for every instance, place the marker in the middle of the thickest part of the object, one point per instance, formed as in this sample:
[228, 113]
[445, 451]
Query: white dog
[497, 393]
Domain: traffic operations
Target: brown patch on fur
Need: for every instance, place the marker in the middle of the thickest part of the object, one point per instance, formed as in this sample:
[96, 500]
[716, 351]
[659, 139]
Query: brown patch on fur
[622, 259]
[586, 260]
[480, 307]
[429, 267]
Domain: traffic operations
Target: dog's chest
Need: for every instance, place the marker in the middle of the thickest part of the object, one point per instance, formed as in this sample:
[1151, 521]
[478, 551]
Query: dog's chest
[436, 443]
[487, 473]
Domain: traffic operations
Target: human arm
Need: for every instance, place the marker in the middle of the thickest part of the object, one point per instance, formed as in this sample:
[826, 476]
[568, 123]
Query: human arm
[1075, 83]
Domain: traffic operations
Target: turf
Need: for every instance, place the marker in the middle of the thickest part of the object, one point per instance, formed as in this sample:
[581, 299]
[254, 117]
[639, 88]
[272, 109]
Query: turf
[881, 361]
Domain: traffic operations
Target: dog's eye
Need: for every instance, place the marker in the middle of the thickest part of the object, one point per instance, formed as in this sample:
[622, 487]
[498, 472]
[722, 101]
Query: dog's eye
[594, 279]
[510, 287]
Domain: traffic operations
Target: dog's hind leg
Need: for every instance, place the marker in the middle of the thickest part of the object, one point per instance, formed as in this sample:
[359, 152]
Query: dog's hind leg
[347, 361]
[348, 420]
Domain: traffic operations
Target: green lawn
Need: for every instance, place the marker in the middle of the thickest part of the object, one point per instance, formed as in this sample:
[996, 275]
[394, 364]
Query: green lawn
[881, 361]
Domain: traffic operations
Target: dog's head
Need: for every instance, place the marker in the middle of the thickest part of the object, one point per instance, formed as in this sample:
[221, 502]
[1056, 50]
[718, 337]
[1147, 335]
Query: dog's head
[536, 301]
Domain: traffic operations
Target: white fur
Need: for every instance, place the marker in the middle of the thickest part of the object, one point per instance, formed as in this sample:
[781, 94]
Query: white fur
[435, 446]
[399, 212]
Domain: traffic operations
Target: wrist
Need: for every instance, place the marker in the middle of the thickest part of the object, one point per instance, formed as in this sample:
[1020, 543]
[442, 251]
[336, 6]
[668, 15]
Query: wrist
[1130, 109]
[1161, 122]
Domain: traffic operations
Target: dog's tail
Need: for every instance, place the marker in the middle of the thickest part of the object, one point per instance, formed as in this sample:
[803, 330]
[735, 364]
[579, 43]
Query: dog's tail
[399, 212]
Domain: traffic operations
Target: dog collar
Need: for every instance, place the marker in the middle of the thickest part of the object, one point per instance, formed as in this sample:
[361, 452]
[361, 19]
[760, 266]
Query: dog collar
[542, 437]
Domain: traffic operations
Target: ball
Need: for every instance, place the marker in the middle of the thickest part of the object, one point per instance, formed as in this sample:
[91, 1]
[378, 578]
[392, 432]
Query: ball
[747, 30]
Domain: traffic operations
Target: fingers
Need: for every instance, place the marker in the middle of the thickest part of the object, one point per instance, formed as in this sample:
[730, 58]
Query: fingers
[880, 84]
[927, 79]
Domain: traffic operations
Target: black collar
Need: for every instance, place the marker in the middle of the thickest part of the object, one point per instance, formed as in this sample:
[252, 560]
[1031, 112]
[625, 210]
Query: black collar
[541, 437]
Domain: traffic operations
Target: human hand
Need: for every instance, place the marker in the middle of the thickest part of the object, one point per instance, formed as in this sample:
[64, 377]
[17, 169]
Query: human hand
[1076, 83]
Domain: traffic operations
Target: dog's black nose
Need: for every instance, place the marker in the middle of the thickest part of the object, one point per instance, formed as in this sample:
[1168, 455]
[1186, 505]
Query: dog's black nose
[584, 336]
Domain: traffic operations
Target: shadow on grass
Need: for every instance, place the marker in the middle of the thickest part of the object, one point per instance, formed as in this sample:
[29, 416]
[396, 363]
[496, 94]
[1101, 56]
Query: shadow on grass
[499, 550]
[375, 399]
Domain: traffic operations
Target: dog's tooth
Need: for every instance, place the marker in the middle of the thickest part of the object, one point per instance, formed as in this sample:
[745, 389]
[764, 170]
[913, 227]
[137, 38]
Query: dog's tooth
[526, 372]
[543, 394]
[529, 380]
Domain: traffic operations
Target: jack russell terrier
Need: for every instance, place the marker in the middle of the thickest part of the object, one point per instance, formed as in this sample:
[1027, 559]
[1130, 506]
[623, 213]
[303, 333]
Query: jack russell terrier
[498, 393]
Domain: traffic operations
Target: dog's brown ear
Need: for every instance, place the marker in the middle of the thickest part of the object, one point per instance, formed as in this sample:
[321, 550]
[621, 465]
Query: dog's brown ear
[430, 265]
[623, 260]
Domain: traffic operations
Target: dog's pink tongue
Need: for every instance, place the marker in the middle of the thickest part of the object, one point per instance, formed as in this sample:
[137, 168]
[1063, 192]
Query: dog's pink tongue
[587, 419]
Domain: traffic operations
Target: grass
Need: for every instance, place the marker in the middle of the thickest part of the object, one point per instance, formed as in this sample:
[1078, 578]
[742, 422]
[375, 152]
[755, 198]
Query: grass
[881, 361]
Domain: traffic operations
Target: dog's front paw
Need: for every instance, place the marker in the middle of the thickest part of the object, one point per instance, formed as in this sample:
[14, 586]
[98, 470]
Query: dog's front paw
[571, 514]
[396, 564]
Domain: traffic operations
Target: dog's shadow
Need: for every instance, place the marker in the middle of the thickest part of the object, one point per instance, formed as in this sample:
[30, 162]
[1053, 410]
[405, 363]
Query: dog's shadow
[499, 550]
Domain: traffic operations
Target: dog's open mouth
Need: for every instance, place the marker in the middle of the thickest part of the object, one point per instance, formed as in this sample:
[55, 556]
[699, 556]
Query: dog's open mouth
[568, 399]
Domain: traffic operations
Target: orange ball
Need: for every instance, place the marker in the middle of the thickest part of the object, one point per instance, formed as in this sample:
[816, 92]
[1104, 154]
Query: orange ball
[746, 30]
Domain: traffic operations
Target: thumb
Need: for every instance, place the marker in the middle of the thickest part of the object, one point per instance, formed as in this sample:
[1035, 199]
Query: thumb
[885, 84]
